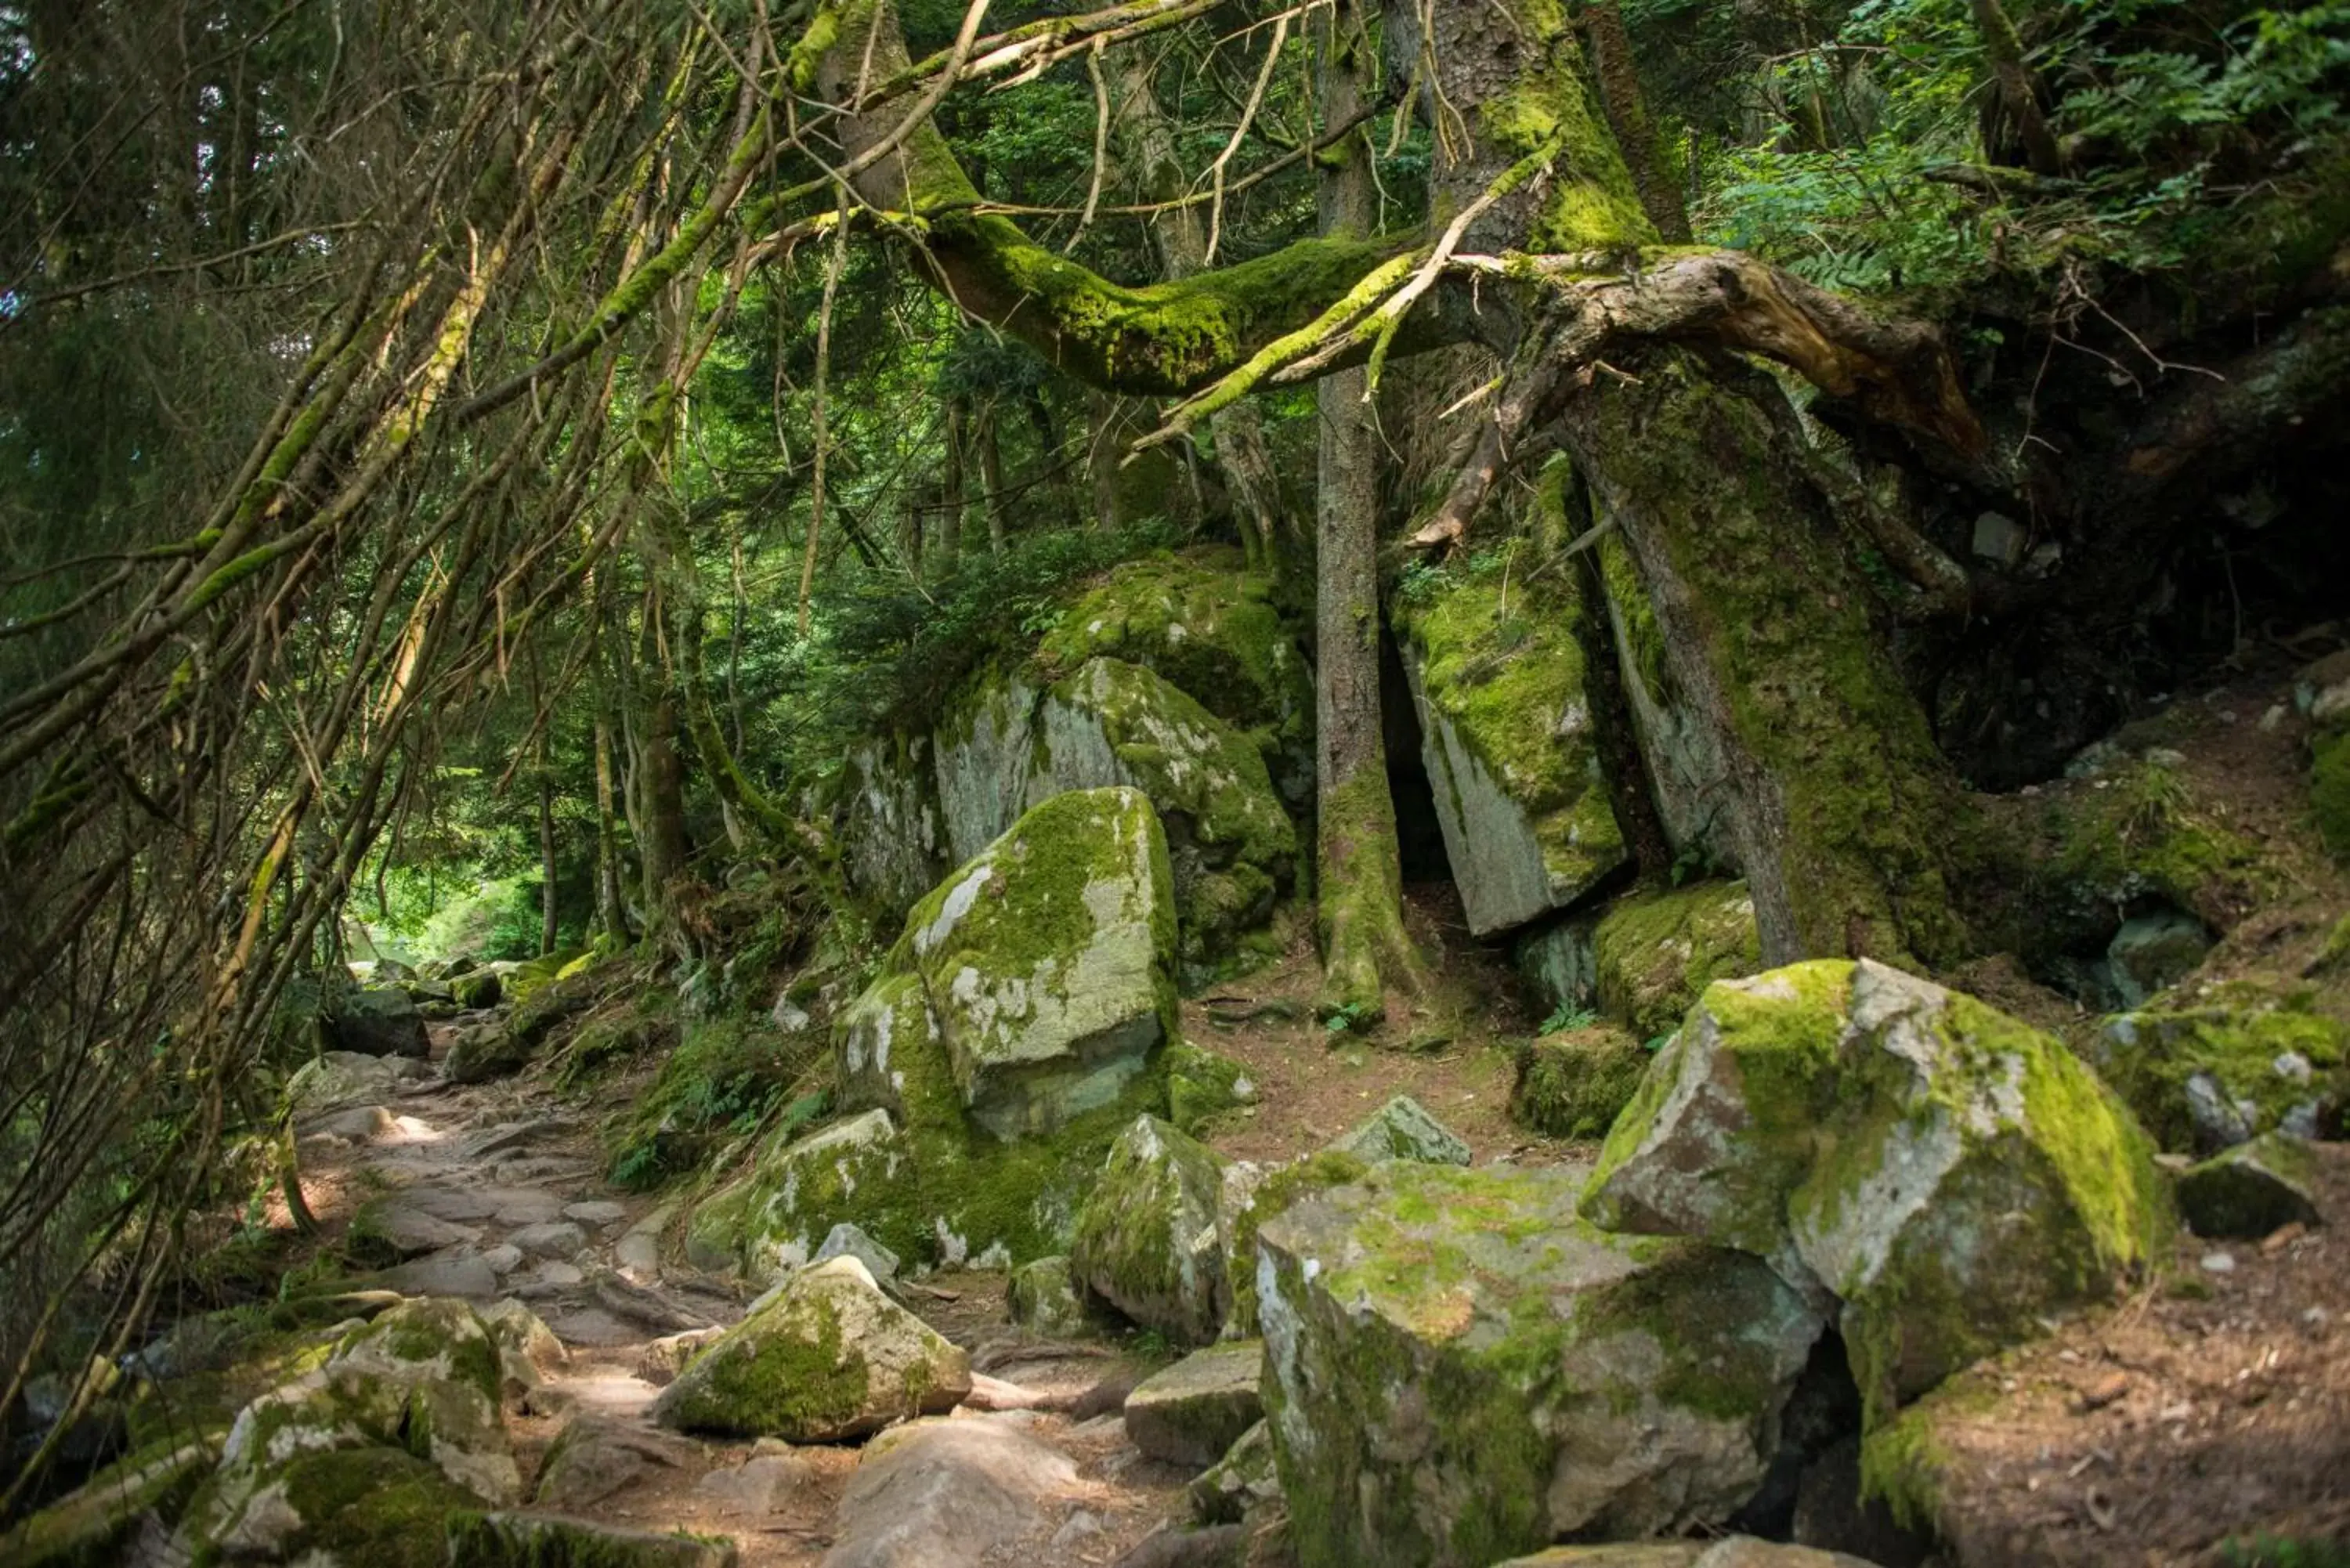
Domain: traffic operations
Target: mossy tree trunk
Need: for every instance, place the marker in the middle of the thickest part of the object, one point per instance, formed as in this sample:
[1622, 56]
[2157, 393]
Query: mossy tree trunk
[1842, 807]
[1840, 811]
[1359, 880]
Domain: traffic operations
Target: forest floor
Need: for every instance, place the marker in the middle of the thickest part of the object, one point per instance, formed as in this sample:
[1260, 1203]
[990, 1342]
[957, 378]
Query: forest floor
[2215, 1403]
[503, 1157]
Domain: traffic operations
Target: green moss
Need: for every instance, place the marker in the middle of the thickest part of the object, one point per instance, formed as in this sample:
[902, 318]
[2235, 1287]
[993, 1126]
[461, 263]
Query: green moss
[1591, 203]
[1500, 657]
[1628, 597]
[1283, 1187]
[525, 1541]
[1903, 1461]
[1133, 1241]
[2335, 952]
[1656, 950]
[1201, 1085]
[1574, 1084]
[371, 1508]
[2235, 1035]
[794, 1382]
[1851, 797]
[2329, 792]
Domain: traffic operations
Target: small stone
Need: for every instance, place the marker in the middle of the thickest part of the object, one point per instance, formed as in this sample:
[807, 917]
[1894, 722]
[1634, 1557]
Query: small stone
[2104, 1391]
[598, 1212]
[555, 1274]
[2273, 718]
[503, 1259]
[1080, 1526]
[2283, 1236]
[442, 1274]
[1402, 1129]
[556, 1238]
[1191, 1412]
[848, 1240]
[758, 1486]
[2219, 1263]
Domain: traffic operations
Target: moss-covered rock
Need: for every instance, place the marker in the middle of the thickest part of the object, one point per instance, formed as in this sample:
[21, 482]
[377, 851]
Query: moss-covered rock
[1233, 846]
[772, 1219]
[1948, 1173]
[338, 1079]
[1148, 1240]
[2329, 791]
[483, 1051]
[829, 1359]
[1657, 949]
[2251, 1189]
[396, 1427]
[1047, 961]
[2207, 1072]
[476, 988]
[1457, 1369]
[1191, 1412]
[1558, 965]
[92, 1527]
[1268, 1197]
[1495, 661]
[1201, 1085]
[1203, 620]
[1042, 1297]
[1402, 1129]
[1574, 1083]
[375, 1021]
[543, 1541]
[355, 1507]
[1243, 1480]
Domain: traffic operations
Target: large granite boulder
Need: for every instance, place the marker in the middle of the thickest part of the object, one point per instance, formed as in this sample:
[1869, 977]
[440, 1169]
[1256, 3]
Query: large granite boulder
[395, 1432]
[1947, 1174]
[1014, 1028]
[375, 1021]
[1656, 949]
[1149, 1239]
[1191, 1412]
[937, 1492]
[1043, 960]
[1496, 672]
[2207, 1072]
[828, 1359]
[1458, 1368]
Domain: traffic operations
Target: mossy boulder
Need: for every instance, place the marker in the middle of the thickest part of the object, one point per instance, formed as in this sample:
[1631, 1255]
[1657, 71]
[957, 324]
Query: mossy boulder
[2329, 791]
[1269, 1196]
[1201, 1085]
[1948, 1173]
[338, 1079]
[1042, 1297]
[481, 1051]
[1200, 619]
[829, 1359]
[2251, 1190]
[399, 1425]
[1654, 950]
[549, 1541]
[1243, 1480]
[1457, 1369]
[1191, 1412]
[1402, 1129]
[1495, 665]
[1574, 1083]
[1558, 965]
[1047, 961]
[361, 1507]
[773, 1219]
[2212, 1070]
[1148, 1240]
[375, 1021]
[1009, 742]
[95, 1524]
[476, 988]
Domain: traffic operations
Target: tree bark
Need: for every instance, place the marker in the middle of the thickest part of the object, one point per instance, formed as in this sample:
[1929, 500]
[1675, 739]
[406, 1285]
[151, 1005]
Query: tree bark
[546, 908]
[1627, 108]
[991, 473]
[951, 498]
[1359, 882]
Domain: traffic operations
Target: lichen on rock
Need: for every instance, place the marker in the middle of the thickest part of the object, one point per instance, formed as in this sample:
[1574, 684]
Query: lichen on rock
[1495, 668]
[1458, 1368]
[2213, 1069]
[1947, 1174]
[1656, 949]
[829, 1359]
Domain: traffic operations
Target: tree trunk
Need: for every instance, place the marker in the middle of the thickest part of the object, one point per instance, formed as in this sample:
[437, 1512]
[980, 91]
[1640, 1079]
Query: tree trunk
[1360, 879]
[951, 490]
[991, 473]
[1845, 820]
[611, 914]
[545, 855]
[1627, 108]
[660, 769]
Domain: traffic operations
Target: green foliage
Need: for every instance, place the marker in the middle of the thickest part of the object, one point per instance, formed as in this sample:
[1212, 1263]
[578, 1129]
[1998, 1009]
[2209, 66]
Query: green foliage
[722, 1083]
[1568, 1015]
[2265, 1550]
